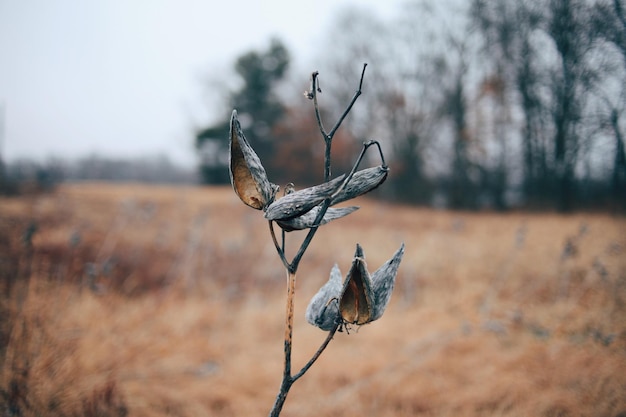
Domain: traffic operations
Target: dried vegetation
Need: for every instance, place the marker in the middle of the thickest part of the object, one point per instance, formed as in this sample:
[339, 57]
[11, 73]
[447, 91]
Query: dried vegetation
[152, 301]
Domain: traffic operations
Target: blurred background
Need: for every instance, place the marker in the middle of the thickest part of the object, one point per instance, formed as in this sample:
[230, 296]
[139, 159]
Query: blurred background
[480, 104]
[134, 282]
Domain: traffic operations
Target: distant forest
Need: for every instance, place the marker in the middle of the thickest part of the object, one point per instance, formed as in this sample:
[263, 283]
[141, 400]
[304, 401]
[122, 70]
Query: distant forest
[480, 105]
[30, 175]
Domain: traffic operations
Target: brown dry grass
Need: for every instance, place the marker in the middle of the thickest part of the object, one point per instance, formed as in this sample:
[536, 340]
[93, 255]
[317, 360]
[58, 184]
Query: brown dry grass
[153, 301]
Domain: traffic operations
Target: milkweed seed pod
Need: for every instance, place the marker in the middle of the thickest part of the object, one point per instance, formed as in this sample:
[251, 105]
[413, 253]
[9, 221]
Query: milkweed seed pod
[307, 220]
[299, 202]
[247, 174]
[364, 297]
[323, 309]
[298, 210]
[355, 304]
[362, 182]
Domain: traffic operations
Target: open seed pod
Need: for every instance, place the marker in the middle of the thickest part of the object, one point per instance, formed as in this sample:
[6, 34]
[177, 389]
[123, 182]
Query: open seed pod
[298, 209]
[362, 182]
[355, 303]
[247, 174]
[299, 202]
[364, 297]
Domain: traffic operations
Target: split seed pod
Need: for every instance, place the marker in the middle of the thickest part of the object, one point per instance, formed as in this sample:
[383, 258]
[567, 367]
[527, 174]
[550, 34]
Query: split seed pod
[298, 210]
[357, 298]
[247, 174]
[364, 298]
[299, 202]
[362, 182]
[361, 300]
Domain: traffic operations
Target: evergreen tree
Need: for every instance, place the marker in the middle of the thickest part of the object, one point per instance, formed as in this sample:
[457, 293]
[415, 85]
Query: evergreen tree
[257, 105]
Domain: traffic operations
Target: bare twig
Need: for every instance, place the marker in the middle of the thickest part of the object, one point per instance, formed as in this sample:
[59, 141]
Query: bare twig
[317, 354]
[357, 93]
[280, 249]
[328, 137]
[313, 95]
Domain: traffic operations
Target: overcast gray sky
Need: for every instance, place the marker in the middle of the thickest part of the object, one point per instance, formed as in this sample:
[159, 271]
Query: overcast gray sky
[126, 78]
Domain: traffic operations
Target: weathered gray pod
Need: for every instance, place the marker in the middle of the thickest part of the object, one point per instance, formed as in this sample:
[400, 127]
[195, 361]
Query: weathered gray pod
[361, 299]
[362, 182]
[307, 220]
[299, 202]
[247, 174]
[383, 281]
[323, 309]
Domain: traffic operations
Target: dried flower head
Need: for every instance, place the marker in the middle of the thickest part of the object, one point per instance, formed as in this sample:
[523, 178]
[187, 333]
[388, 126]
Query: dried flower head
[247, 174]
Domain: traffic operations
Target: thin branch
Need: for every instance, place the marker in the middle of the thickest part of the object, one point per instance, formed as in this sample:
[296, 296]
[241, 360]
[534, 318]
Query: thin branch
[281, 397]
[357, 93]
[317, 354]
[307, 240]
[288, 380]
[327, 173]
[328, 137]
[313, 95]
[281, 251]
[283, 239]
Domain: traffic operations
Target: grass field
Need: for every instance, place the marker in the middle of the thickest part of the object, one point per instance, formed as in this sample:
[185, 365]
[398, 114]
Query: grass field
[157, 301]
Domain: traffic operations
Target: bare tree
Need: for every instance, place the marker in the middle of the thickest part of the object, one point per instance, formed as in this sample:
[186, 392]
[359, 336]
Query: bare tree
[544, 52]
[570, 83]
[538, 76]
[507, 28]
[609, 25]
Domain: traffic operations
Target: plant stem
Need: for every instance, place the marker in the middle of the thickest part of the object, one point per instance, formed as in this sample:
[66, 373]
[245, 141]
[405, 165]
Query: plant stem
[291, 290]
[287, 381]
[292, 267]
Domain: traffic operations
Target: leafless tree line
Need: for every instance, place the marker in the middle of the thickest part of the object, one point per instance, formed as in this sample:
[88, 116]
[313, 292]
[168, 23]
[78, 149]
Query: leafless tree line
[30, 175]
[493, 103]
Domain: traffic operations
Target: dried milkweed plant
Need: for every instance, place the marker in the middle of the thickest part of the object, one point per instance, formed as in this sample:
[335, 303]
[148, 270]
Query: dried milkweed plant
[340, 303]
